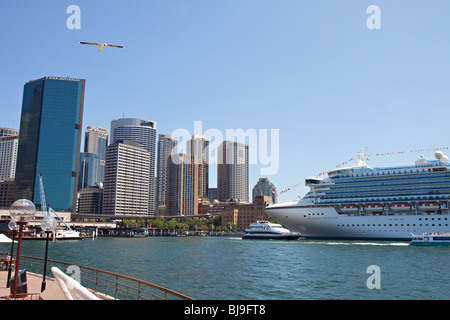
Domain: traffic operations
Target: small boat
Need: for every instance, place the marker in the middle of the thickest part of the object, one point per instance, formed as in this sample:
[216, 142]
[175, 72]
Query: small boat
[428, 206]
[401, 207]
[431, 239]
[373, 208]
[264, 230]
[349, 208]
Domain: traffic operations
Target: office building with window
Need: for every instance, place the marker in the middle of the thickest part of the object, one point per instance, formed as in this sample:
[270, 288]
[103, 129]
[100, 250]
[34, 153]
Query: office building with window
[49, 141]
[244, 214]
[90, 200]
[9, 143]
[92, 160]
[142, 132]
[167, 145]
[182, 197]
[266, 188]
[198, 147]
[6, 193]
[232, 172]
[125, 188]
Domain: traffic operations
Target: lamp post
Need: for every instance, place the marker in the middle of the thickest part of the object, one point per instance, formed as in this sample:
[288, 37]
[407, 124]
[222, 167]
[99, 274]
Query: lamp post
[48, 225]
[21, 211]
[12, 225]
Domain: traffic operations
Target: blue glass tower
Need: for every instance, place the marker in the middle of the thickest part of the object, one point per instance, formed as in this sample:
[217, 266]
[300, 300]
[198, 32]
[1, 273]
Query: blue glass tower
[52, 113]
[91, 172]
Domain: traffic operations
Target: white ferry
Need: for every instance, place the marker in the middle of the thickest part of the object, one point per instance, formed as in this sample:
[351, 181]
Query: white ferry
[431, 239]
[62, 234]
[361, 202]
[264, 230]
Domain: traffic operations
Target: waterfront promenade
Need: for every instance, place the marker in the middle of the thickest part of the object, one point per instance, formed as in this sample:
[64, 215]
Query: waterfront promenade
[34, 283]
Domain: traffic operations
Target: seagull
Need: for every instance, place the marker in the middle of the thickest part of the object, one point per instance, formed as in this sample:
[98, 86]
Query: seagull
[101, 46]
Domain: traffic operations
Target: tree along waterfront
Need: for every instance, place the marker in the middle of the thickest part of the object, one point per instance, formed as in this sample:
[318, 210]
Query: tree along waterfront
[182, 224]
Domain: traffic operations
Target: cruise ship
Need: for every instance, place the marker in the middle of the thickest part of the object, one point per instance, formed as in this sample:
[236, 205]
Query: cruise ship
[361, 202]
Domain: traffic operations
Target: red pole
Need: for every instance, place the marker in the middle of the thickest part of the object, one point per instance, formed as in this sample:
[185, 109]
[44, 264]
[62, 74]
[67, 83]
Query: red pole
[19, 245]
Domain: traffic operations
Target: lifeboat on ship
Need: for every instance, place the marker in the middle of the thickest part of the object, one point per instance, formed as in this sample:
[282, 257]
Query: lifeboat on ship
[428, 206]
[350, 208]
[400, 207]
[373, 208]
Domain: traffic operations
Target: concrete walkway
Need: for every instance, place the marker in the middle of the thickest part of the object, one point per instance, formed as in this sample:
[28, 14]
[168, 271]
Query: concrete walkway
[34, 283]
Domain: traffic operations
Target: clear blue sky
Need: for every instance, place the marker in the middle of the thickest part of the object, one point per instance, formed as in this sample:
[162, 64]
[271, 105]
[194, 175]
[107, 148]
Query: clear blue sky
[311, 69]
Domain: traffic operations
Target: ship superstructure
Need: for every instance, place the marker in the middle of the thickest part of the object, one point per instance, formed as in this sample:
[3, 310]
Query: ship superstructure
[361, 202]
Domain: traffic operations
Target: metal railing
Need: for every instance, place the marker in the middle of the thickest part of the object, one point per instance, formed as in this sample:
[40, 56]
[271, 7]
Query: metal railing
[105, 284]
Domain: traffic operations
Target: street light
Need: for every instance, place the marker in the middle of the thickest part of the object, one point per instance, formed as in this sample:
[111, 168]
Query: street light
[12, 225]
[21, 211]
[48, 225]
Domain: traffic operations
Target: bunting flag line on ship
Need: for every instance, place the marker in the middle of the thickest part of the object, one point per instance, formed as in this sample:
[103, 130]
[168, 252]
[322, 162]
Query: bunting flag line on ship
[289, 189]
[367, 155]
[382, 154]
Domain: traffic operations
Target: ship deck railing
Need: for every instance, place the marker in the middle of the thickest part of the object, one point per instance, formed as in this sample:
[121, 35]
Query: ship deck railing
[104, 284]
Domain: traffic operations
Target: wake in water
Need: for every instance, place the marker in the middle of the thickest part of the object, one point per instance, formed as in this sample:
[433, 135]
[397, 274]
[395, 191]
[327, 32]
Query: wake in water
[337, 243]
[349, 243]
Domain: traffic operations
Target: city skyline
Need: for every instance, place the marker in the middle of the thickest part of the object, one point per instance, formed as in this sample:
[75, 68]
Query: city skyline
[315, 71]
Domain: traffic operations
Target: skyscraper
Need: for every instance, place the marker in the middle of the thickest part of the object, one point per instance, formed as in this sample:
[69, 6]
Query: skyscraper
[9, 143]
[96, 140]
[181, 185]
[197, 146]
[166, 145]
[49, 140]
[144, 133]
[92, 160]
[265, 188]
[126, 179]
[232, 172]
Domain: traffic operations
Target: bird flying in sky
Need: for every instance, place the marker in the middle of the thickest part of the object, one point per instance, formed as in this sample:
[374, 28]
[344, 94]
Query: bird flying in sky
[101, 46]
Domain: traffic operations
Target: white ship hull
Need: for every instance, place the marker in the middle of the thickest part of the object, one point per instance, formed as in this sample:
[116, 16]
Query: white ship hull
[326, 223]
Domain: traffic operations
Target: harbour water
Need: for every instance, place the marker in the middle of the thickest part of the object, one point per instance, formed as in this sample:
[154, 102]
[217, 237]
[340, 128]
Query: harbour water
[229, 268]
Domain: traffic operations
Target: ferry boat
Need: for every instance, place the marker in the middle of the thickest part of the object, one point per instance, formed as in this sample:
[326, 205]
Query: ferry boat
[431, 239]
[62, 234]
[59, 234]
[361, 202]
[264, 230]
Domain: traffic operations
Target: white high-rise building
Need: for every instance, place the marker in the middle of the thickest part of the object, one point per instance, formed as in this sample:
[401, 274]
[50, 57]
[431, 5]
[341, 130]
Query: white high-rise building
[9, 143]
[126, 179]
[144, 133]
